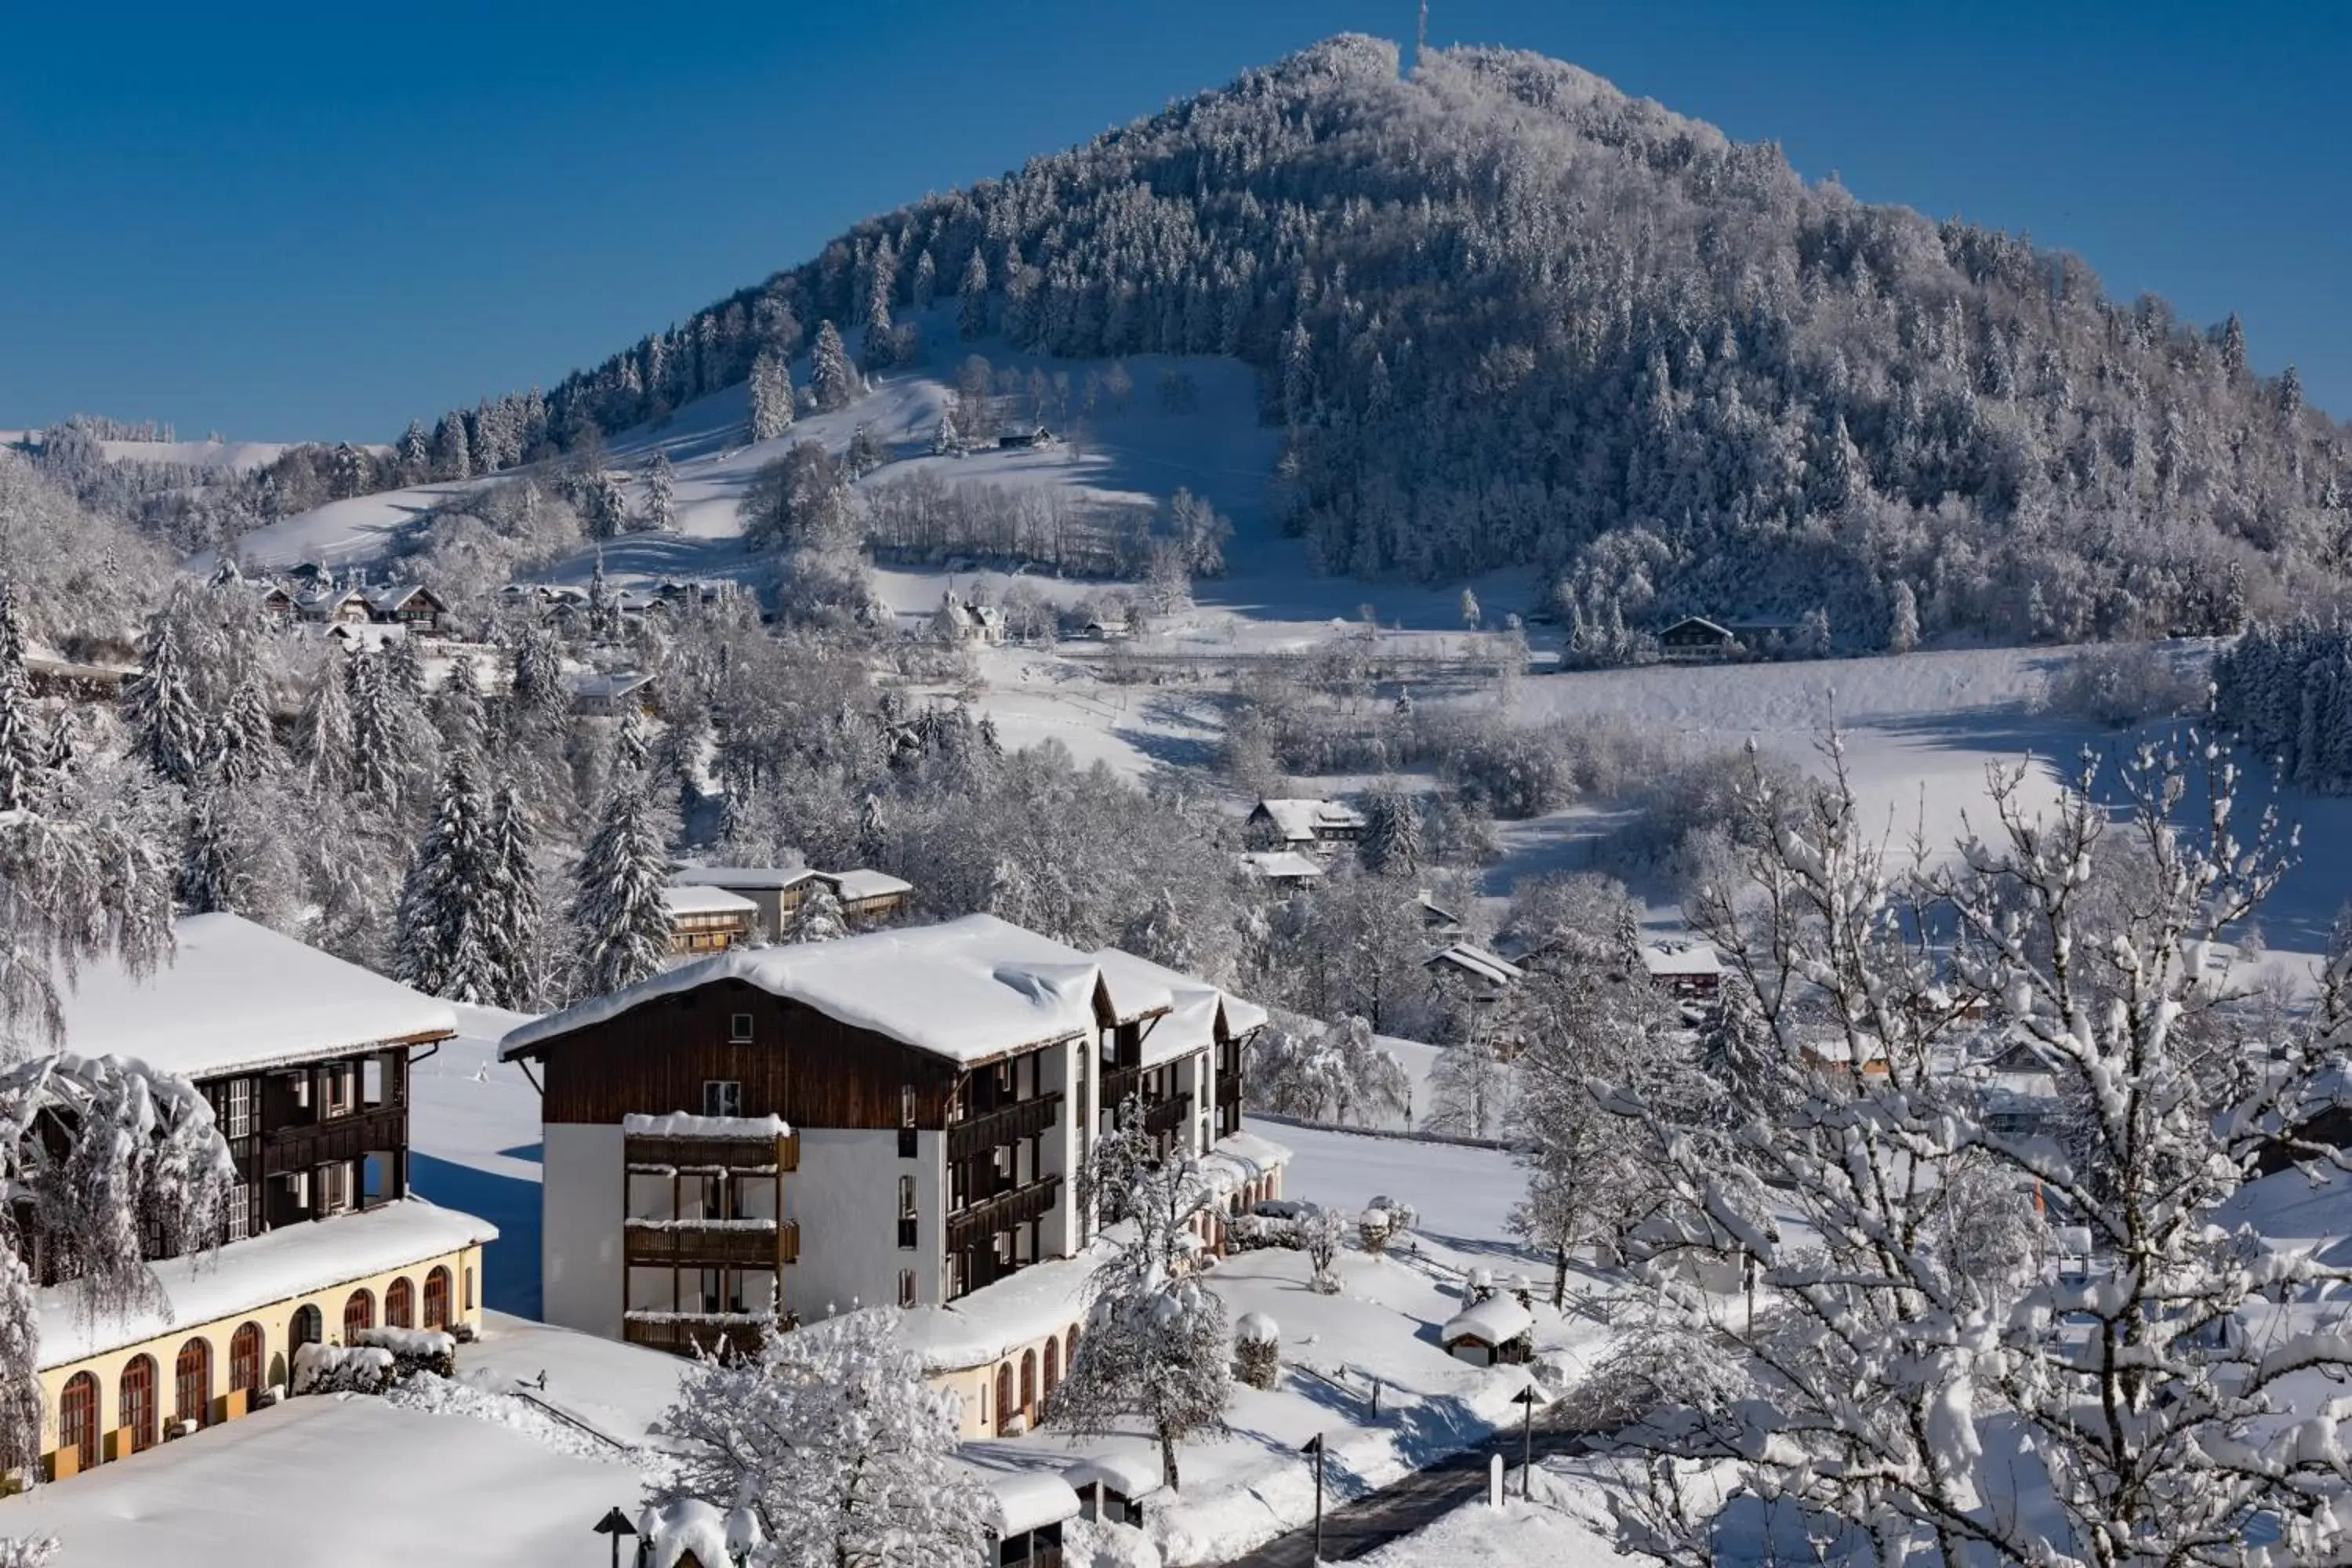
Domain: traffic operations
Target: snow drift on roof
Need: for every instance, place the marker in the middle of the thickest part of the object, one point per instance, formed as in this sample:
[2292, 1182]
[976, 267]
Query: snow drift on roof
[761, 876]
[969, 990]
[1280, 865]
[1028, 1498]
[1481, 965]
[695, 898]
[1680, 956]
[236, 996]
[247, 1275]
[860, 884]
[1495, 1320]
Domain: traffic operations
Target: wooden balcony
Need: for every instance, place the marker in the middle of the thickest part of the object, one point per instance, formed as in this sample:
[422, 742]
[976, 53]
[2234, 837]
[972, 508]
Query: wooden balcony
[370, 1130]
[1171, 1115]
[714, 1153]
[1006, 1124]
[684, 1336]
[1003, 1212]
[727, 1244]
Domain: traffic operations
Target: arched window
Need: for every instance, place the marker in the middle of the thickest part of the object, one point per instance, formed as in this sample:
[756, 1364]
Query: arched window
[437, 1299]
[359, 1316]
[1029, 1381]
[309, 1328]
[244, 1349]
[1004, 1397]
[137, 1403]
[77, 1419]
[400, 1304]
[191, 1382]
[1070, 1347]
[1053, 1367]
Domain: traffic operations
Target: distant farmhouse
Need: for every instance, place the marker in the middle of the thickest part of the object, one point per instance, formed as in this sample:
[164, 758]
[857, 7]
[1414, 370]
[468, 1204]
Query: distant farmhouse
[1303, 824]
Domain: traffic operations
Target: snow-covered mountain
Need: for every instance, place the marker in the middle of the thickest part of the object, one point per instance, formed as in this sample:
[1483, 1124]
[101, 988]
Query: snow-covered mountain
[1498, 313]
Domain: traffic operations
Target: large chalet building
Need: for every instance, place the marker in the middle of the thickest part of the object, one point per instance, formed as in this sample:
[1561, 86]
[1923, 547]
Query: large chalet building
[890, 1118]
[305, 1060]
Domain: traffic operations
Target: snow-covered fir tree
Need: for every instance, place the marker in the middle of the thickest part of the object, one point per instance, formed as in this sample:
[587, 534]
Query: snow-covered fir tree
[458, 714]
[817, 917]
[244, 748]
[1391, 845]
[24, 745]
[162, 706]
[1156, 1346]
[972, 298]
[324, 733]
[380, 727]
[834, 1445]
[833, 381]
[771, 396]
[633, 751]
[538, 691]
[444, 940]
[514, 925]
[660, 515]
[621, 925]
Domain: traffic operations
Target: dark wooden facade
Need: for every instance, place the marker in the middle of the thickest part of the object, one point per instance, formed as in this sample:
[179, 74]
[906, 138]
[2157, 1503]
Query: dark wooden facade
[782, 1058]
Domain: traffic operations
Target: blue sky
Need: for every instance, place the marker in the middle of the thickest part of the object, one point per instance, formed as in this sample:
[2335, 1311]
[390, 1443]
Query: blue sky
[310, 222]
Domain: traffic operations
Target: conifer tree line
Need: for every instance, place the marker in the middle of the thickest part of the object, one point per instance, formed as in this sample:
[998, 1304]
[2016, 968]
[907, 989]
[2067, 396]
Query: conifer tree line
[2286, 689]
[1504, 314]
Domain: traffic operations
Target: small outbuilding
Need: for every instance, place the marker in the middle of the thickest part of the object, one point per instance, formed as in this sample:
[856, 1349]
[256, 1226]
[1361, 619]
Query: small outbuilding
[1112, 1487]
[1032, 1507]
[1497, 1331]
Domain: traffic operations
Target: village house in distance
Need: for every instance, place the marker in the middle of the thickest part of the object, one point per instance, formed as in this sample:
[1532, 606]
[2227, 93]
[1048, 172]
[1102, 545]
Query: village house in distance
[305, 1061]
[896, 1117]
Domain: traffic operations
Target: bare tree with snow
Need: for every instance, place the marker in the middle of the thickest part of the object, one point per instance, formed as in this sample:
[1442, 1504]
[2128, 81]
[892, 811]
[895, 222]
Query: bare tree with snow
[834, 1446]
[1156, 1345]
[1919, 1380]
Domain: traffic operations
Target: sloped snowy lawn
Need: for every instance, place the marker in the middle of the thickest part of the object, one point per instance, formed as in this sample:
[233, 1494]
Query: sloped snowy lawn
[334, 1483]
[1384, 1325]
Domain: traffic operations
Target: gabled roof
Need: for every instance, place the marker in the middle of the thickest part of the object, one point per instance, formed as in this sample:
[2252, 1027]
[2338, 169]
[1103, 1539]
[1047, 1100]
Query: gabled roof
[970, 990]
[1698, 623]
[239, 996]
[1680, 955]
[1197, 1012]
[861, 884]
[327, 599]
[1302, 820]
[597, 685]
[1479, 964]
[694, 900]
[765, 879]
[1495, 1320]
[1280, 866]
[383, 601]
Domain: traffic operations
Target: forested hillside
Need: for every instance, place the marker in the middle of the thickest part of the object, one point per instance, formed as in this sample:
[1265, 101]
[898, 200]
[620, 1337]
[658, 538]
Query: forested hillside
[1505, 314]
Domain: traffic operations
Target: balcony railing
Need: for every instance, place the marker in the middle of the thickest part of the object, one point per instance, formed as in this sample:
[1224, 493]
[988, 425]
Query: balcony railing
[714, 1153]
[713, 1244]
[346, 1137]
[1006, 1124]
[1003, 1212]
[683, 1335]
[1171, 1115]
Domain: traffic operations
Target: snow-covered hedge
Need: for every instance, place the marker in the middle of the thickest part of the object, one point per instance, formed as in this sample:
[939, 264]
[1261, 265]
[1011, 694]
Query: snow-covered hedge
[414, 1349]
[1257, 1350]
[337, 1369]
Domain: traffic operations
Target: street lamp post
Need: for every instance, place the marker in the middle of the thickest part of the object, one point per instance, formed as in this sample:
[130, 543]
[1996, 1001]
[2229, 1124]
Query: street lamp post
[615, 1525]
[1525, 1400]
[1315, 1447]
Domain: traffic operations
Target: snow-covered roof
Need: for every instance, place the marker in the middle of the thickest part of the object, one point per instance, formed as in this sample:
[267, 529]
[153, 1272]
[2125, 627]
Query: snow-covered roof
[245, 1276]
[237, 996]
[329, 599]
[1300, 821]
[1192, 1006]
[992, 1323]
[669, 1531]
[383, 601]
[694, 898]
[1239, 1158]
[970, 990]
[1130, 1472]
[684, 1125]
[860, 884]
[1479, 964]
[1680, 955]
[1026, 1499]
[1495, 1320]
[764, 877]
[596, 684]
[1280, 865]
